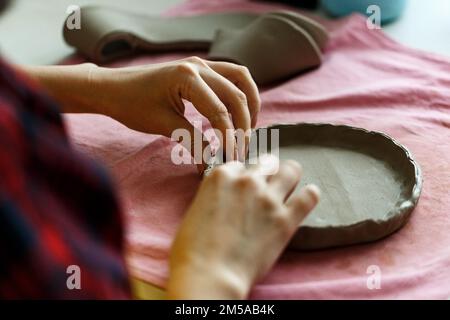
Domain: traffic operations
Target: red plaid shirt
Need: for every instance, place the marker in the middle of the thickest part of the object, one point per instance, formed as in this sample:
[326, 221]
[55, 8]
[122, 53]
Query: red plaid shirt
[57, 208]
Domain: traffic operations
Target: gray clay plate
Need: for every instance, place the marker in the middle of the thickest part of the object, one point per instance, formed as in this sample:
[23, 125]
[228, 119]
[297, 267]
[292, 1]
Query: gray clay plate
[370, 183]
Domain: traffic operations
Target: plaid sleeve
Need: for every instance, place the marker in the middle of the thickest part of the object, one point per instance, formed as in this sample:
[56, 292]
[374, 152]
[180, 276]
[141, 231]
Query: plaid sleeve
[60, 226]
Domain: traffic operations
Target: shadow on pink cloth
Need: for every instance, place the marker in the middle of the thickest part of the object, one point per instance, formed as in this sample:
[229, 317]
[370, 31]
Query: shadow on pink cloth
[366, 80]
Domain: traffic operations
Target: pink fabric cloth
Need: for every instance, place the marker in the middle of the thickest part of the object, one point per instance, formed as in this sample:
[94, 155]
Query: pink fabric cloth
[366, 80]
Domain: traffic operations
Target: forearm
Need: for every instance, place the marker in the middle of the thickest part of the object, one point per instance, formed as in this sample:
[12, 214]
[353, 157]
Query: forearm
[75, 87]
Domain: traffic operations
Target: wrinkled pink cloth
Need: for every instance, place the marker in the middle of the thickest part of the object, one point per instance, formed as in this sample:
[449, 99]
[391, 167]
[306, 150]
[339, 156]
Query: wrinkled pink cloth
[366, 80]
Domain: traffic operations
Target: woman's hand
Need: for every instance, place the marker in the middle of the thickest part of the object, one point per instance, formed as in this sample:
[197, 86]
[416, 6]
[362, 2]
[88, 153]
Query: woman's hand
[149, 98]
[236, 227]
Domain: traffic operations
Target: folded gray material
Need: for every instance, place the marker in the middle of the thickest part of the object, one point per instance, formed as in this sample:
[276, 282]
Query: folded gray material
[294, 40]
[273, 47]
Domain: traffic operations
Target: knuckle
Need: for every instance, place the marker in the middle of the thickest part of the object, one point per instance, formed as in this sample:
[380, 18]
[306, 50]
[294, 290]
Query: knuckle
[243, 71]
[267, 203]
[241, 96]
[196, 60]
[219, 174]
[219, 115]
[186, 68]
[221, 111]
[233, 168]
[247, 182]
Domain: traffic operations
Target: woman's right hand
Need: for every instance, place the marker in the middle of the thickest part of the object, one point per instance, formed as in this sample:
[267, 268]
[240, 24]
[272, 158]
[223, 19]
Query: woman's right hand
[237, 226]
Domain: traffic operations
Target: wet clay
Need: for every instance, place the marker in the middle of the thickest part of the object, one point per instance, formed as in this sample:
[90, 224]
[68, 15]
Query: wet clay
[110, 33]
[272, 48]
[273, 45]
[370, 184]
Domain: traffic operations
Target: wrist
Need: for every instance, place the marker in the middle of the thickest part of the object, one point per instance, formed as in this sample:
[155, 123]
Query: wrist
[110, 91]
[75, 87]
[85, 90]
[189, 282]
[101, 88]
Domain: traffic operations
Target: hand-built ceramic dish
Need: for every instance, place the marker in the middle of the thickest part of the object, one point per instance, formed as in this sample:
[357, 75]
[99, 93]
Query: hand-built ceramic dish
[369, 183]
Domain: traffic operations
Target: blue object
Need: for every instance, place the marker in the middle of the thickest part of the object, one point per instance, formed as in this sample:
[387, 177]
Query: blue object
[390, 9]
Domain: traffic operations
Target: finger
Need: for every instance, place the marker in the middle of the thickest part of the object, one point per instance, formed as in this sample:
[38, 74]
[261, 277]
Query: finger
[284, 182]
[236, 102]
[208, 104]
[301, 204]
[267, 166]
[241, 77]
[233, 168]
[196, 143]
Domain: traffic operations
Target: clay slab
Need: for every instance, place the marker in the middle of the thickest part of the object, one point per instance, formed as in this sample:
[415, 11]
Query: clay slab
[370, 183]
[243, 38]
